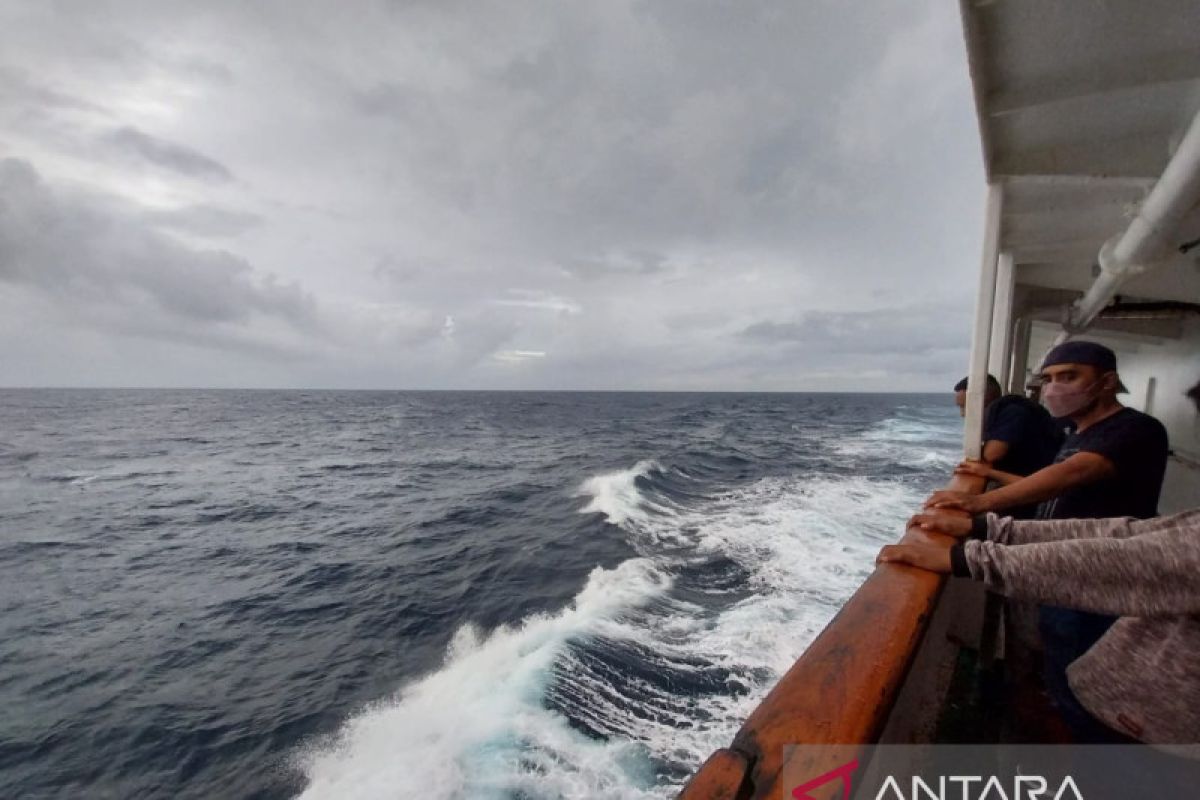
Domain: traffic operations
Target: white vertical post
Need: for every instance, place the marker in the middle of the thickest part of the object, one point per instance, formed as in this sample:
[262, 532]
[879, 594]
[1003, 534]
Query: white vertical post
[1020, 361]
[999, 358]
[981, 334]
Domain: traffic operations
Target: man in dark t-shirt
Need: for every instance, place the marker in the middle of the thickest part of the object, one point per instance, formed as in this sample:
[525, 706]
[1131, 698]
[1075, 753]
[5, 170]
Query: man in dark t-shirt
[1019, 438]
[1136, 445]
[1111, 465]
[1032, 436]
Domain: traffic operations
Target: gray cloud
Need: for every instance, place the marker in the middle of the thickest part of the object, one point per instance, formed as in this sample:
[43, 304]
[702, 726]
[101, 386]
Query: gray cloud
[912, 330]
[393, 269]
[637, 262]
[205, 220]
[18, 89]
[651, 193]
[136, 145]
[93, 256]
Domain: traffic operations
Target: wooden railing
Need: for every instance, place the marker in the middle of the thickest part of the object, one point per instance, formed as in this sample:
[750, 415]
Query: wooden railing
[842, 688]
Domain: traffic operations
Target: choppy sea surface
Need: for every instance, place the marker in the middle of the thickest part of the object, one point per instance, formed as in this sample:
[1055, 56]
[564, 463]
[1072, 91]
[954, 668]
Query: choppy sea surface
[439, 595]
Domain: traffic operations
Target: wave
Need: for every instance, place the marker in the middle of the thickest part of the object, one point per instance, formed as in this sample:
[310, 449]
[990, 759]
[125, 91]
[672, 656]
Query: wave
[72, 480]
[477, 727]
[653, 665]
[912, 440]
[799, 547]
[12, 453]
[616, 494]
[657, 662]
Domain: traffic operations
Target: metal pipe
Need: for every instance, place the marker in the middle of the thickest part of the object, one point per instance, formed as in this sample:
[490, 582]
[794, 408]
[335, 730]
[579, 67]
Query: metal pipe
[981, 334]
[1146, 240]
[999, 358]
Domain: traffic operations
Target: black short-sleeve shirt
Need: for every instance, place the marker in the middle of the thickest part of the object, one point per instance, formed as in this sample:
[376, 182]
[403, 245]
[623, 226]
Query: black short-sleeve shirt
[1136, 444]
[1032, 436]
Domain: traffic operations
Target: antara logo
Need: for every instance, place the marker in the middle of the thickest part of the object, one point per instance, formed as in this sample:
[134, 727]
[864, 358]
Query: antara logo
[947, 787]
[963, 787]
[845, 771]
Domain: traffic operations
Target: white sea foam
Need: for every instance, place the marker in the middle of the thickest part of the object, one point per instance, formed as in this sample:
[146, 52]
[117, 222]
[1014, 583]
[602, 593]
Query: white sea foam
[919, 441]
[615, 494]
[806, 544]
[476, 726]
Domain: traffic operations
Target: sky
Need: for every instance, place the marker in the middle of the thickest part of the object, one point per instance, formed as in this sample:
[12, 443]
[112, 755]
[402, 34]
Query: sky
[436, 194]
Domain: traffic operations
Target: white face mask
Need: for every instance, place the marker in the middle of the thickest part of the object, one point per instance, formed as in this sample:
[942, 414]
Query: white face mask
[1063, 401]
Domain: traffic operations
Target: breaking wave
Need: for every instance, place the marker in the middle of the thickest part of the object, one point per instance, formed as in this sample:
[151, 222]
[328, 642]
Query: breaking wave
[656, 663]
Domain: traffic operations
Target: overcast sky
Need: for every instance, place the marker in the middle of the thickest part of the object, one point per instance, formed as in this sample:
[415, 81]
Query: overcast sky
[616, 194]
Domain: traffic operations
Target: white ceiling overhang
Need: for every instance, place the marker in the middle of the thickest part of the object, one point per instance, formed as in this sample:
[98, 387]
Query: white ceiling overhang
[1081, 104]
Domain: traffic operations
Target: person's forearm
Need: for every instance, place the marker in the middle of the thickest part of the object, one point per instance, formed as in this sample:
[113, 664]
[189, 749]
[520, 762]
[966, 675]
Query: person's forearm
[1148, 575]
[1006, 530]
[1004, 478]
[1042, 485]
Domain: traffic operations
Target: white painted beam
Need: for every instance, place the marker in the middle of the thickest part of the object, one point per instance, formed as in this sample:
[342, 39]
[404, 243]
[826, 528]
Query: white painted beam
[999, 357]
[1101, 82]
[982, 330]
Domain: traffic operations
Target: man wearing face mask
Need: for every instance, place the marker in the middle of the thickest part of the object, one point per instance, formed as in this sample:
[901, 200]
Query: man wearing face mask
[1080, 384]
[1112, 461]
[1110, 465]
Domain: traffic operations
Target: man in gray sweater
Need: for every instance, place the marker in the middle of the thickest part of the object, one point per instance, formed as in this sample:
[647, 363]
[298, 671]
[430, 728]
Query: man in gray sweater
[1141, 680]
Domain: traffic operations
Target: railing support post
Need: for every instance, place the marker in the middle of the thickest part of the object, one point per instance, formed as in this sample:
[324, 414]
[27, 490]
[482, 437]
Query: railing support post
[981, 334]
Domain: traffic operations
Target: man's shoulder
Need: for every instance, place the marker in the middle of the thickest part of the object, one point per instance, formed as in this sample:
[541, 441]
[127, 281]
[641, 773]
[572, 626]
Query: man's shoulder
[1131, 418]
[1015, 406]
[1125, 428]
[1019, 416]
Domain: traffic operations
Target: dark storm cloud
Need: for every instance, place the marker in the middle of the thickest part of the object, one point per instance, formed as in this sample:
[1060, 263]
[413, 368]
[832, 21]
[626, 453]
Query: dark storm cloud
[136, 145]
[91, 254]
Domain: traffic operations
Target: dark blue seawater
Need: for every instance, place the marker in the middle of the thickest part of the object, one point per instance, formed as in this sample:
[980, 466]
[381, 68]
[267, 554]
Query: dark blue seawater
[390, 594]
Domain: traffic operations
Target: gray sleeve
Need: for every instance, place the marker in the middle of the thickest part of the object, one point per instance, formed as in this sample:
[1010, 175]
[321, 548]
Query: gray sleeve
[1154, 574]
[1007, 530]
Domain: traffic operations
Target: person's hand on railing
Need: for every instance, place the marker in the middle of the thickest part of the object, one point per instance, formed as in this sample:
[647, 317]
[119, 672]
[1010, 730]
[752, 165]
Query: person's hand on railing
[947, 498]
[978, 469]
[949, 524]
[935, 558]
[982, 469]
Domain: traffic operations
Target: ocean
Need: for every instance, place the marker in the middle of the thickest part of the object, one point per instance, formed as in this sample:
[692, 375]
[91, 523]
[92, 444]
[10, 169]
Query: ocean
[323, 594]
